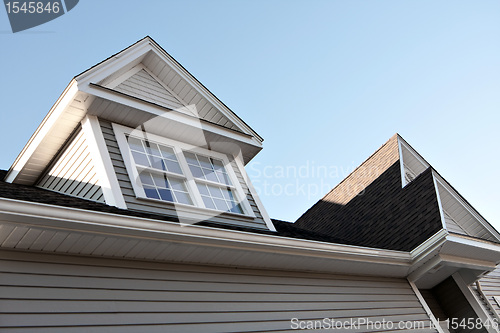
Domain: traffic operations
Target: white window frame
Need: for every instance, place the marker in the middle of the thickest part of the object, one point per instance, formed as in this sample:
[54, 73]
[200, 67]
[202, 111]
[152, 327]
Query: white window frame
[179, 148]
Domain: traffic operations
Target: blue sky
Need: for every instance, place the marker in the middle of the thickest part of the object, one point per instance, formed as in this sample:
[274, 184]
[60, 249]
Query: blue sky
[324, 82]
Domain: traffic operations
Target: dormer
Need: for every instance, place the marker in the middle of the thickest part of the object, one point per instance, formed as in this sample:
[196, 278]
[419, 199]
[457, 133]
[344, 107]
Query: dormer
[139, 132]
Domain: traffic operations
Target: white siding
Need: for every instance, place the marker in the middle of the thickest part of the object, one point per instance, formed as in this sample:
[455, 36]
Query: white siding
[42, 293]
[165, 208]
[73, 172]
[144, 86]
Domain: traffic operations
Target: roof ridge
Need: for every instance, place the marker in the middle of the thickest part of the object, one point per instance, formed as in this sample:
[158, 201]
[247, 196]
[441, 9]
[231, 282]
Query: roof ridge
[359, 166]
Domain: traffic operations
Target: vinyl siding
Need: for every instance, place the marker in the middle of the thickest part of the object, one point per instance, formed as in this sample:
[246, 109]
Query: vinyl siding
[46, 293]
[142, 85]
[73, 172]
[189, 94]
[452, 226]
[490, 284]
[166, 208]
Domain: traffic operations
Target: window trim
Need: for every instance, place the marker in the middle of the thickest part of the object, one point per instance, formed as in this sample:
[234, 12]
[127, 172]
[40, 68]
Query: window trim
[198, 205]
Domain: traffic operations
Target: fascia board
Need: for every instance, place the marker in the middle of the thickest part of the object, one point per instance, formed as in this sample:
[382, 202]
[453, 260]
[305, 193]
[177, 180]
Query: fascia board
[157, 110]
[431, 244]
[415, 153]
[16, 211]
[47, 123]
[114, 63]
[434, 252]
[482, 244]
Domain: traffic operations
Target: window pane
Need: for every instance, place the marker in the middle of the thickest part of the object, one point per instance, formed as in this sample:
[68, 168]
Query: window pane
[157, 163]
[173, 166]
[236, 209]
[203, 189]
[183, 197]
[191, 158]
[177, 184]
[160, 180]
[153, 149]
[223, 178]
[221, 204]
[205, 162]
[165, 194]
[168, 152]
[151, 192]
[135, 144]
[140, 159]
[228, 194]
[210, 175]
[146, 178]
[196, 171]
[215, 192]
[208, 203]
[218, 165]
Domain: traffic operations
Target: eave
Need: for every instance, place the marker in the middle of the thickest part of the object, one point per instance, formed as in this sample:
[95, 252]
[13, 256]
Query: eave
[63, 227]
[445, 254]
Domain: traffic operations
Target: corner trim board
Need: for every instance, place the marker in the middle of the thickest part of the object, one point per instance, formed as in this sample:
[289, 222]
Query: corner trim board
[102, 162]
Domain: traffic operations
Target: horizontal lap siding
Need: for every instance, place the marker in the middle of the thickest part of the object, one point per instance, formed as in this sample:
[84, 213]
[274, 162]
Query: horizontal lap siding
[144, 86]
[125, 296]
[167, 209]
[189, 94]
[490, 285]
[73, 172]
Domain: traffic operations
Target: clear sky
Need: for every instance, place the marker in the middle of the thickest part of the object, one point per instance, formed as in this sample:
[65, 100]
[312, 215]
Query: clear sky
[324, 82]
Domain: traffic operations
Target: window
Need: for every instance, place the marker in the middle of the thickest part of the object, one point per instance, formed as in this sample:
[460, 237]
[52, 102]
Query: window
[213, 182]
[170, 171]
[159, 171]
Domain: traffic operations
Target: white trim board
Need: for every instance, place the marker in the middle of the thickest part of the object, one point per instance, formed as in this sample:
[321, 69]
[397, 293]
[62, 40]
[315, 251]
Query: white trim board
[102, 162]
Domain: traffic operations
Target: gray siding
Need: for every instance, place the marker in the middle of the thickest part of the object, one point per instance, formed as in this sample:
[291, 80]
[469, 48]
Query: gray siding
[452, 226]
[167, 208]
[186, 92]
[42, 293]
[490, 284]
[144, 86]
[73, 172]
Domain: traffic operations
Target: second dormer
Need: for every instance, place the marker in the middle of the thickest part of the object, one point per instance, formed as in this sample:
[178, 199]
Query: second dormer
[138, 131]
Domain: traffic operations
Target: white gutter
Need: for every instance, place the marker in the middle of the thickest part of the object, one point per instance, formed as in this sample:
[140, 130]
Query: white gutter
[72, 219]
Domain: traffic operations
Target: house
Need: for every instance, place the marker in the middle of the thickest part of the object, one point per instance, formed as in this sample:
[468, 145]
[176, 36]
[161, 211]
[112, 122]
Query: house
[129, 210]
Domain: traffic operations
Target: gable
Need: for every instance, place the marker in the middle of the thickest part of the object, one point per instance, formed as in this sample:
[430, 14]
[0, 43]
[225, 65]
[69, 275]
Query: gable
[142, 85]
[157, 78]
[461, 218]
[457, 216]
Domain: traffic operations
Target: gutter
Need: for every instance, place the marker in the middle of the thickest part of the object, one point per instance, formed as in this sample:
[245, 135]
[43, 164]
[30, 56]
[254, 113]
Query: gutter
[72, 219]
